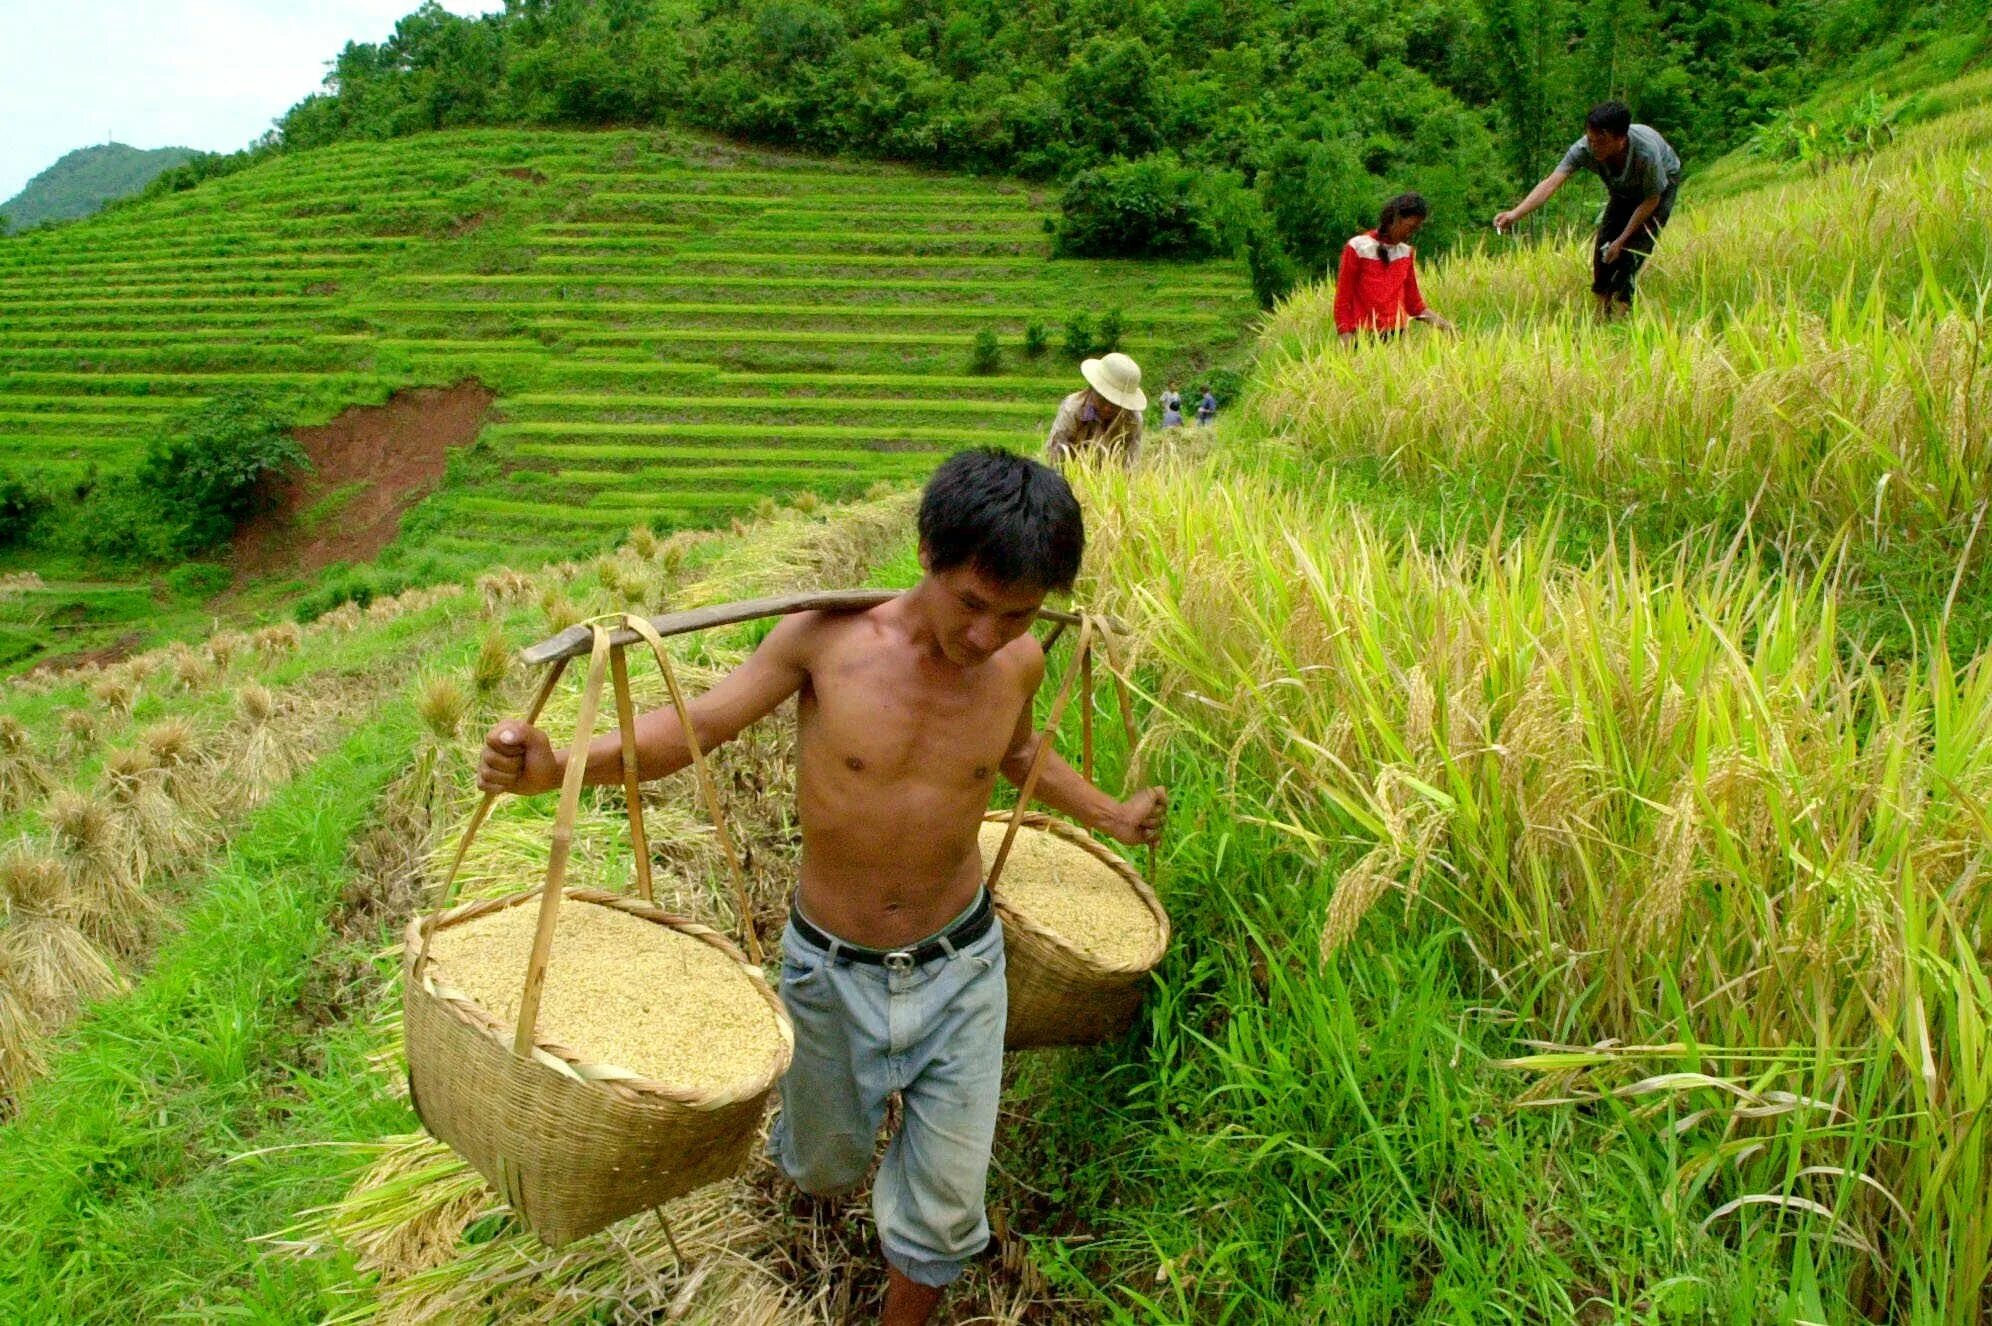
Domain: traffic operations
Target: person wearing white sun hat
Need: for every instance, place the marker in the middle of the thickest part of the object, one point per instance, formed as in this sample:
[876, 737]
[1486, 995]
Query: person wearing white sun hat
[1104, 417]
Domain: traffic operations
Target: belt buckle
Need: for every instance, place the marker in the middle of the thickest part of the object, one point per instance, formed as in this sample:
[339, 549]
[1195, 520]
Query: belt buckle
[899, 961]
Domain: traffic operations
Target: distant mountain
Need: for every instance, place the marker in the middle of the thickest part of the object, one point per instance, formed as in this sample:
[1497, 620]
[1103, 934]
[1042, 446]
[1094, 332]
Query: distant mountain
[85, 180]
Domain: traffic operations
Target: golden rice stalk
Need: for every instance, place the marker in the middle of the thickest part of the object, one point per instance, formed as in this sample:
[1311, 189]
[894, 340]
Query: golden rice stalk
[643, 542]
[404, 1214]
[257, 703]
[224, 647]
[193, 671]
[343, 619]
[79, 731]
[23, 780]
[113, 908]
[155, 831]
[384, 609]
[807, 502]
[176, 751]
[141, 667]
[115, 691]
[49, 960]
[278, 641]
[21, 1041]
[267, 757]
[442, 706]
[1358, 890]
[493, 664]
[561, 611]
[503, 586]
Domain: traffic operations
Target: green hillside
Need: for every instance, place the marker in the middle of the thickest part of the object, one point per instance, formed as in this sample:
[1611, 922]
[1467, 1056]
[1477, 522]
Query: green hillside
[676, 329]
[84, 180]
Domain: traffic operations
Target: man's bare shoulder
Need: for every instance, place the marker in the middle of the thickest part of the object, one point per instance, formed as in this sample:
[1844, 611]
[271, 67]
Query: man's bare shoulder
[804, 635]
[1023, 657]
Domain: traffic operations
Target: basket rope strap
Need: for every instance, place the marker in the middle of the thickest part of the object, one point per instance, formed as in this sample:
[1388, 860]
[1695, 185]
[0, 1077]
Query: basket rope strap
[707, 787]
[477, 819]
[563, 842]
[1086, 714]
[1117, 671]
[1029, 785]
[639, 841]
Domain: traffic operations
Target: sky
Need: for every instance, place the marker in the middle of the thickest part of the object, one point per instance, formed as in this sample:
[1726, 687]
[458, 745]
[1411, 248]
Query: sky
[206, 74]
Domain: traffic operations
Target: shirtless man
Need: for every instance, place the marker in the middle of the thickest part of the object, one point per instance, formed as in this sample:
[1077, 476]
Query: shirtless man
[892, 964]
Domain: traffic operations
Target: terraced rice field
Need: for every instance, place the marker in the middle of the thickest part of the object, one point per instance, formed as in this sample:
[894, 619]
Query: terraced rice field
[676, 328]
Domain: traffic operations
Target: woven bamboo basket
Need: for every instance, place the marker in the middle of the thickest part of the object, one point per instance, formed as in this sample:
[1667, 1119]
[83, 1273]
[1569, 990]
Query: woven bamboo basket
[572, 1145]
[1060, 995]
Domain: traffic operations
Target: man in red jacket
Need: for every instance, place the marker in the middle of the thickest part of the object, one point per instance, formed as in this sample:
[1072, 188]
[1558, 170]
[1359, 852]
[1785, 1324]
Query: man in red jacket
[1376, 288]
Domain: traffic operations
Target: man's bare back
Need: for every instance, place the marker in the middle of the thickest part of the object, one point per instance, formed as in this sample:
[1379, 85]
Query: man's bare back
[907, 712]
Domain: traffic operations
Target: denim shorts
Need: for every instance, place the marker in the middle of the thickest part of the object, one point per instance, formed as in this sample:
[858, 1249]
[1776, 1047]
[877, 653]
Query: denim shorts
[932, 1032]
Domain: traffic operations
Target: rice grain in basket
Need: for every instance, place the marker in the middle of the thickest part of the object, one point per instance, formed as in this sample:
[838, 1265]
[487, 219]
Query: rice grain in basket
[1074, 895]
[620, 991]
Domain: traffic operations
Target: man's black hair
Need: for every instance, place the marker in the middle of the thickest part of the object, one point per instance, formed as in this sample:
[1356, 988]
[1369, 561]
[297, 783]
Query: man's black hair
[1610, 117]
[1012, 519]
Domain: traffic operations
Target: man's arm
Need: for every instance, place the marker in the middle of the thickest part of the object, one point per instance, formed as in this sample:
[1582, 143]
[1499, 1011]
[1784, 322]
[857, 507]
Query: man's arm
[521, 759]
[1539, 195]
[1634, 224]
[1060, 786]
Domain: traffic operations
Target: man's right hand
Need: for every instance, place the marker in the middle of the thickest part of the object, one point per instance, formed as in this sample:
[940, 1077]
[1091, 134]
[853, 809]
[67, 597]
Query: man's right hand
[518, 758]
[1503, 221]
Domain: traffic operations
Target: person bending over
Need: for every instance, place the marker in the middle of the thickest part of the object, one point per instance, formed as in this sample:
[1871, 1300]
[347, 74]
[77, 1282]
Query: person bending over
[1376, 286]
[1642, 173]
[892, 960]
[1103, 417]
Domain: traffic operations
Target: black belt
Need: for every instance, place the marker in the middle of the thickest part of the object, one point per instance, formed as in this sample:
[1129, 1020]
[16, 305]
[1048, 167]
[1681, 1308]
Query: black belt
[959, 935]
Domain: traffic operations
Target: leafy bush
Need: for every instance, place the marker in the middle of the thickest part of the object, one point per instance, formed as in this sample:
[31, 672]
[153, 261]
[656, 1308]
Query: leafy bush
[207, 473]
[1079, 336]
[1111, 326]
[987, 356]
[21, 506]
[1035, 340]
[1153, 207]
[1274, 273]
[1857, 130]
[197, 580]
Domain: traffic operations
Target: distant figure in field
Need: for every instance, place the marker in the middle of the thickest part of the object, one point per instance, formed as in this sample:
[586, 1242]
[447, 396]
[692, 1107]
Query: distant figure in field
[1104, 417]
[1172, 407]
[1206, 408]
[1376, 287]
[1641, 174]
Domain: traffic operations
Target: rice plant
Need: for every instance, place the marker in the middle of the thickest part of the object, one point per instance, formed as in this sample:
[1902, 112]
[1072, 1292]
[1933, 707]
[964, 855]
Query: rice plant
[1654, 792]
[493, 663]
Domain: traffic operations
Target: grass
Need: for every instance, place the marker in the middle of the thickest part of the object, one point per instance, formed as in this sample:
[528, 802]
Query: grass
[117, 1193]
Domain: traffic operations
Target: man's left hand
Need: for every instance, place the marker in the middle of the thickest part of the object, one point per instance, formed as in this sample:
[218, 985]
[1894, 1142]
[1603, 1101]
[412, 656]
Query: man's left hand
[1139, 819]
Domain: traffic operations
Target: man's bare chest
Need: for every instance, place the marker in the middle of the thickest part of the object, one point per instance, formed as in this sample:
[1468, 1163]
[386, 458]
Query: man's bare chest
[884, 724]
